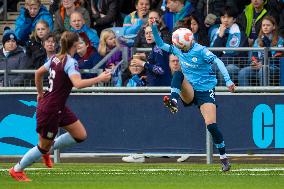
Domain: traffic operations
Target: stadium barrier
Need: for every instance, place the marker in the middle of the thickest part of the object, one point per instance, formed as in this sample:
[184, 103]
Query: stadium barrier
[268, 78]
[133, 120]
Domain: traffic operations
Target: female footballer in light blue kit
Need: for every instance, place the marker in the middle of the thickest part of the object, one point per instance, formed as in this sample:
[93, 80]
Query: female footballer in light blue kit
[198, 86]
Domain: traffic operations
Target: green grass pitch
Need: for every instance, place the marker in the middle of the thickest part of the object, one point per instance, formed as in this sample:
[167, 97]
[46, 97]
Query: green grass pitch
[147, 176]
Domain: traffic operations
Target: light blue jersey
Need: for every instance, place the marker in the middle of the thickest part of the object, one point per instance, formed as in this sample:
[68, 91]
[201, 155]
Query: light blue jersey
[196, 64]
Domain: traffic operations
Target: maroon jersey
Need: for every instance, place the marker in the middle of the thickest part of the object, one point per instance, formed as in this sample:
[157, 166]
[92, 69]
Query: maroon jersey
[60, 85]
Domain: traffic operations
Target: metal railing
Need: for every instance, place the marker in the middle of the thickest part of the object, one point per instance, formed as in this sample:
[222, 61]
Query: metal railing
[267, 78]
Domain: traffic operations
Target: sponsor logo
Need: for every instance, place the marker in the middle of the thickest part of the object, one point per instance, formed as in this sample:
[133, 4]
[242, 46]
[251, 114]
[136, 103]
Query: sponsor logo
[268, 126]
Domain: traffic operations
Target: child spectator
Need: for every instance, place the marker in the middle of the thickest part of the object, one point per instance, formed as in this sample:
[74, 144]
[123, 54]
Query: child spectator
[78, 25]
[35, 50]
[62, 16]
[12, 57]
[228, 34]
[108, 42]
[29, 16]
[134, 76]
[86, 56]
[267, 37]
[140, 40]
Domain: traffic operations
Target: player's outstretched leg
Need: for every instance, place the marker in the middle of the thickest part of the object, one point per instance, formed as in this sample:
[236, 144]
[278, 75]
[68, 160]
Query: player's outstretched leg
[17, 172]
[220, 145]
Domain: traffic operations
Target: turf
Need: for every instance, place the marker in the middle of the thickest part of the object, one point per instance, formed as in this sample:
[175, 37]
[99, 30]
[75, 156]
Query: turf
[148, 176]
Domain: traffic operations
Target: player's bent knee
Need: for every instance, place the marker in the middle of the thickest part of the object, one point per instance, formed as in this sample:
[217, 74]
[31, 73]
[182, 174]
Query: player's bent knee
[81, 138]
[43, 150]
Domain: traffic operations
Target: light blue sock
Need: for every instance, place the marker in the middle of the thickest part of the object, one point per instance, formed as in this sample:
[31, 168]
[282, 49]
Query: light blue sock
[63, 141]
[28, 159]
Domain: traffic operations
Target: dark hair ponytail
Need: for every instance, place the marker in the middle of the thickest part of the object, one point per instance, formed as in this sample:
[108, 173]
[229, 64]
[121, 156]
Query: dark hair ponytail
[67, 40]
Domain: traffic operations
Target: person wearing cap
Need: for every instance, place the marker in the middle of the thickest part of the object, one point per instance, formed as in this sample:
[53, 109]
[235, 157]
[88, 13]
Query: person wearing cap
[12, 57]
[29, 16]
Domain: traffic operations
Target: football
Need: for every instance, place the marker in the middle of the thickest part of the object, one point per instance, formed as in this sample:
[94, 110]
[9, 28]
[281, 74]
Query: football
[182, 38]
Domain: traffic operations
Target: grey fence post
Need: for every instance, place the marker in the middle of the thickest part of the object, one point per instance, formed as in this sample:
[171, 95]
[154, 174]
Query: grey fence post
[209, 148]
[5, 10]
[124, 58]
[56, 153]
[265, 68]
[6, 73]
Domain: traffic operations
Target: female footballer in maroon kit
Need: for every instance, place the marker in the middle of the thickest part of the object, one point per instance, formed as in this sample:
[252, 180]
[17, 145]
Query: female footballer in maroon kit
[52, 112]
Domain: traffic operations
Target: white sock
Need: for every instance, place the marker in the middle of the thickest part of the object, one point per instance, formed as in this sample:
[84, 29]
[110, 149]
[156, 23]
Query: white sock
[28, 159]
[223, 156]
[63, 141]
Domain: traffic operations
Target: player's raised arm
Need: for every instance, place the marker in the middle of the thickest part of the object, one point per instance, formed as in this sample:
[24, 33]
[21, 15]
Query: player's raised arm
[159, 41]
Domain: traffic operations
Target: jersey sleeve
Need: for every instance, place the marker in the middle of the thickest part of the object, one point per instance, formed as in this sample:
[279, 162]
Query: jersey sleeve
[47, 64]
[71, 67]
[208, 56]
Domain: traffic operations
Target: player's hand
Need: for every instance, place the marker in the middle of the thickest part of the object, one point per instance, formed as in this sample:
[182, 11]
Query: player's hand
[232, 88]
[152, 21]
[105, 76]
[39, 96]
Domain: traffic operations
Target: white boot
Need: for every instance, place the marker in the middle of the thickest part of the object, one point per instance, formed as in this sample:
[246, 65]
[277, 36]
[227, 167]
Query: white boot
[183, 158]
[135, 158]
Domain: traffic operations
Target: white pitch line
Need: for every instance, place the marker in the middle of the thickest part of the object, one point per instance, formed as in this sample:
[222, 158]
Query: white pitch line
[31, 169]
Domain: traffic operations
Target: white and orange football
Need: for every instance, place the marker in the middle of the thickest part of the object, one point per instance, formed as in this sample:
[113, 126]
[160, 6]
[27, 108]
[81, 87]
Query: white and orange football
[182, 38]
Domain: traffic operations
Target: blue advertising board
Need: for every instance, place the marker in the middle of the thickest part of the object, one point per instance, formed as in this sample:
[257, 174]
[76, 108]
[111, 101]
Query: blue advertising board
[123, 123]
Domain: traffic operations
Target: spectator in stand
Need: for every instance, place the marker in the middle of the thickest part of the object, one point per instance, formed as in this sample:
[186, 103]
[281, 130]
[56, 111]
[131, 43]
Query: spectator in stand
[78, 25]
[29, 16]
[105, 14]
[86, 56]
[209, 10]
[250, 20]
[267, 37]
[177, 10]
[62, 16]
[108, 42]
[136, 19]
[140, 40]
[50, 45]
[134, 76]
[198, 29]
[228, 34]
[13, 57]
[35, 50]
[157, 64]
[275, 8]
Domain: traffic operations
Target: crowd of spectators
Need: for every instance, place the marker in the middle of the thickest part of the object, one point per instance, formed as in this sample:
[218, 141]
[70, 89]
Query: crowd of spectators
[215, 23]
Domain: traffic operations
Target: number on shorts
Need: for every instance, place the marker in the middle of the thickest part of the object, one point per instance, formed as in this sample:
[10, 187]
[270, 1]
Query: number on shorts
[212, 95]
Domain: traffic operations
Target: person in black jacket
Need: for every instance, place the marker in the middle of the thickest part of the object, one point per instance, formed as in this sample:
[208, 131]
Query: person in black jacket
[105, 14]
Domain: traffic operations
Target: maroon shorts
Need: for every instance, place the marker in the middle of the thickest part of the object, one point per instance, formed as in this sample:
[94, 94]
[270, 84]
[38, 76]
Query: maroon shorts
[48, 123]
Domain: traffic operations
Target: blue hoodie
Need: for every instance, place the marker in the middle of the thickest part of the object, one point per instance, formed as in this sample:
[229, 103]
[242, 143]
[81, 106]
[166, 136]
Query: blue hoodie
[91, 33]
[25, 24]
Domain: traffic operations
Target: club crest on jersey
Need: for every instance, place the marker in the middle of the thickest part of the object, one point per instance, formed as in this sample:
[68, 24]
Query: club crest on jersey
[56, 60]
[49, 135]
[194, 59]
